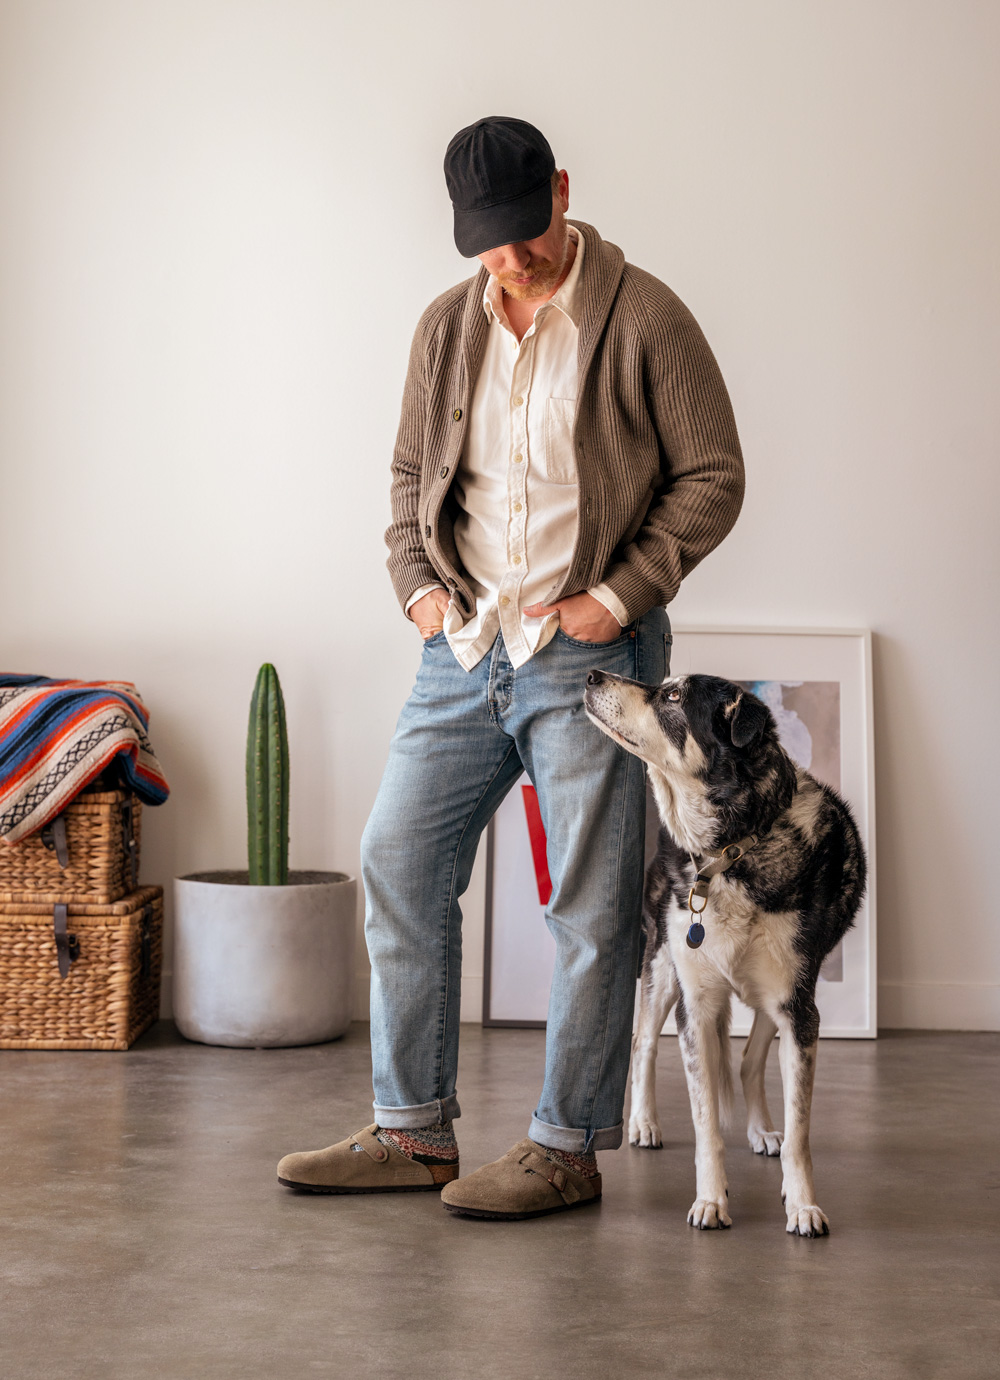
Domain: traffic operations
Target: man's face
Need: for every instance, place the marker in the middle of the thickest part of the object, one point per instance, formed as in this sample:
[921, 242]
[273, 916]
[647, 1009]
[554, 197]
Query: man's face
[531, 268]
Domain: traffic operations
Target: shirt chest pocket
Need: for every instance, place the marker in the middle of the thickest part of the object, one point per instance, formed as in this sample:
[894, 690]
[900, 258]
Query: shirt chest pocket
[560, 461]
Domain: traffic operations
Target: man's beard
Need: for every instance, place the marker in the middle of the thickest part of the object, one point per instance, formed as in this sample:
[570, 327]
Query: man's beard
[546, 273]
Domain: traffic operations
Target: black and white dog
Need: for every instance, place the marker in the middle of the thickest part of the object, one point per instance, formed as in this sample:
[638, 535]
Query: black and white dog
[760, 871]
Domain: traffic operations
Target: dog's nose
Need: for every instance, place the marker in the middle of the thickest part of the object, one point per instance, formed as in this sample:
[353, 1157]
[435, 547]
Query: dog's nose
[595, 677]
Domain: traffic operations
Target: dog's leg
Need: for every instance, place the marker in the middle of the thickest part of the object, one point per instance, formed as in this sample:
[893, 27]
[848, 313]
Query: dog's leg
[698, 1025]
[797, 1054]
[763, 1138]
[657, 994]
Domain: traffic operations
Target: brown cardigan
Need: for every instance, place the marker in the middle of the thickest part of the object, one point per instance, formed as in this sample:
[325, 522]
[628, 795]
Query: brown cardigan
[658, 458]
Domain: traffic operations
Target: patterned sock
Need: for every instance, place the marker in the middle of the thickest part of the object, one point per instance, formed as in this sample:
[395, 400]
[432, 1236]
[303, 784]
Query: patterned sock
[580, 1164]
[425, 1144]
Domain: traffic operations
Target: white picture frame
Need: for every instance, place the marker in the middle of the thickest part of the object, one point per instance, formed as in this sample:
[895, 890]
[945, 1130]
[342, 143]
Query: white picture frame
[520, 952]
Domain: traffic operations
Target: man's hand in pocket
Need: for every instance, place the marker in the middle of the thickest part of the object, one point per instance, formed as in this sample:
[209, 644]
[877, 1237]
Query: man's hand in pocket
[580, 616]
[428, 612]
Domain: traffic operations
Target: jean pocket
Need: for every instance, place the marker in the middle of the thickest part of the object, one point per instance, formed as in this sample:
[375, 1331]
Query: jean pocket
[434, 638]
[624, 636]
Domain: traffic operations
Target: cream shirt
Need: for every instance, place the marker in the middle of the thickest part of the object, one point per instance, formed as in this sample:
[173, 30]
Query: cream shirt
[516, 482]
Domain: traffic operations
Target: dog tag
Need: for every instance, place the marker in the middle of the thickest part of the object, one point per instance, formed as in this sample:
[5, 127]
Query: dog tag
[695, 935]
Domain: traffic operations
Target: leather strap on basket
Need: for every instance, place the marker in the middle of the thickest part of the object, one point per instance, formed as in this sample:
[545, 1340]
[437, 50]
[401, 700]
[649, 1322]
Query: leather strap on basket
[128, 841]
[67, 945]
[146, 942]
[54, 837]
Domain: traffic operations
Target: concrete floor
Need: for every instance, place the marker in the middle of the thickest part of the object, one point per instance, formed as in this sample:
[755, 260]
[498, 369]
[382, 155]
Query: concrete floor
[145, 1234]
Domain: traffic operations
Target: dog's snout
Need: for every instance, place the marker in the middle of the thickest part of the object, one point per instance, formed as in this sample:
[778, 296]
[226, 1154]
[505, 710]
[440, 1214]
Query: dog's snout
[595, 677]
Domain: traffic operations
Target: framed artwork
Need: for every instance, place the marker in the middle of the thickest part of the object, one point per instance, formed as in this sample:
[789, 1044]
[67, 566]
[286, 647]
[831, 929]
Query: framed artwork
[817, 684]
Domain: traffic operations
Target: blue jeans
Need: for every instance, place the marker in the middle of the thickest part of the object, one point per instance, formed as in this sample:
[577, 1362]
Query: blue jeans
[461, 742]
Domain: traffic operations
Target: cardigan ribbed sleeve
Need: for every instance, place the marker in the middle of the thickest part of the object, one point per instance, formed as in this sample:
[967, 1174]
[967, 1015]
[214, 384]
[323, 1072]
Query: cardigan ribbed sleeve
[701, 487]
[408, 559]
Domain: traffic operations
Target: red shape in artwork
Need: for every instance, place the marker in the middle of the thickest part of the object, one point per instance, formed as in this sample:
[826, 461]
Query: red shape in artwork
[536, 835]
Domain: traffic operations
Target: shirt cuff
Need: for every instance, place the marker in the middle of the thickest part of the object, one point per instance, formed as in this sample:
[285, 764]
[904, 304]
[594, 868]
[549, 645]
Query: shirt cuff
[419, 594]
[611, 602]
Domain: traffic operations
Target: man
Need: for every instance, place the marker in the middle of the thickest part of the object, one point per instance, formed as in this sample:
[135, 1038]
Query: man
[566, 454]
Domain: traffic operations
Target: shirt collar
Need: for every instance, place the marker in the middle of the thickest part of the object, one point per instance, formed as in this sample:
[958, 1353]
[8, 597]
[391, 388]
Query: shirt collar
[568, 298]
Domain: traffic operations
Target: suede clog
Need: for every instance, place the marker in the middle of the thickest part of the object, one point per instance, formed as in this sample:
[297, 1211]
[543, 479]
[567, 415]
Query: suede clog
[523, 1183]
[362, 1164]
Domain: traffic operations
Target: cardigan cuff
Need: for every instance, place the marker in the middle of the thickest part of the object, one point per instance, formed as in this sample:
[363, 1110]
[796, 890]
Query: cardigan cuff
[636, 595]
[419, 594]
[606, 596]
[410, 578]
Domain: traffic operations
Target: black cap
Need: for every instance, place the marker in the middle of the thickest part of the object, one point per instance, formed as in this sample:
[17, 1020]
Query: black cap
[499, 175]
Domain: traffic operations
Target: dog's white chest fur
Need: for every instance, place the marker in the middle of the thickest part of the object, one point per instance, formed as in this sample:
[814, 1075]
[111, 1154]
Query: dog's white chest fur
[752, 951]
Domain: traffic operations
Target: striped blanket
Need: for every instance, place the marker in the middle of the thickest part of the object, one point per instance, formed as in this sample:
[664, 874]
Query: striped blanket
[57, 735]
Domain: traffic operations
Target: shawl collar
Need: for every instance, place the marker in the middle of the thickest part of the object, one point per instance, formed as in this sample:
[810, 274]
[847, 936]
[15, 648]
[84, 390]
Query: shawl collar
[602, 270]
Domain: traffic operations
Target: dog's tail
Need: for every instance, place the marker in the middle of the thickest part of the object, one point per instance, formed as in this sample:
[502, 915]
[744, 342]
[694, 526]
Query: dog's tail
[725, 1067]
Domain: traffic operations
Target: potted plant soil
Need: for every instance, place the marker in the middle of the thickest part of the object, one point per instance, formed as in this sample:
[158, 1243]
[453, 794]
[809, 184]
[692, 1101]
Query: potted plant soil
[264, 957]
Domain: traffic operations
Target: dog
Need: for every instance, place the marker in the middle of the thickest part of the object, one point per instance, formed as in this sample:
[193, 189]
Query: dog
[759, 873]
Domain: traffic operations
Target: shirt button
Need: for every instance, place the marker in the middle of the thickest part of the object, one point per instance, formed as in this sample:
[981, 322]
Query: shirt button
[517, 507]
[518, 458]
[505, 601]
[517, 560]
[518, 400]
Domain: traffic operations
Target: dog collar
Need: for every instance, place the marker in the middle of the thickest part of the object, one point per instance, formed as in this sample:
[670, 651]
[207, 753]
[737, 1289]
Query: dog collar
[706, 871]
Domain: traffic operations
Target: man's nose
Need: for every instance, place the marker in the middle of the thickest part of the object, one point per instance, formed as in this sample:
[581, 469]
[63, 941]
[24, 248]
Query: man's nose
[516, 258]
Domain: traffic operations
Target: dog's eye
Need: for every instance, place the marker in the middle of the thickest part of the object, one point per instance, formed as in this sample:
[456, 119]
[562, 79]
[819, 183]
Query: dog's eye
[673, 694]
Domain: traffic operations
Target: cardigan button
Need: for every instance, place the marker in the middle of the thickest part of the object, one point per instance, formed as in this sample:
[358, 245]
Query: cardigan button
[427, 531]
[457, 414]
[444, 471]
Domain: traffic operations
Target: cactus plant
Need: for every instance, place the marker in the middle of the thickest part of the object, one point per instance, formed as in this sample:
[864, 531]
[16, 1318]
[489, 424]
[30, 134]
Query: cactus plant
[267, 782]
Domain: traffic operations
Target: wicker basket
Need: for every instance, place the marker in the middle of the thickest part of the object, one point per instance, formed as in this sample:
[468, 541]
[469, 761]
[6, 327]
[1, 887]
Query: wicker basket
[111, 957]
[88, 853]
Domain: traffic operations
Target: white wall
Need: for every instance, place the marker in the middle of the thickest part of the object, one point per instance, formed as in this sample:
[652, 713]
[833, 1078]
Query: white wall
[220, 220]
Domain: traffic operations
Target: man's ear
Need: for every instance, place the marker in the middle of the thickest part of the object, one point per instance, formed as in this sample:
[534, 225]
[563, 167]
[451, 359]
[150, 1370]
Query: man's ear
[747, 719]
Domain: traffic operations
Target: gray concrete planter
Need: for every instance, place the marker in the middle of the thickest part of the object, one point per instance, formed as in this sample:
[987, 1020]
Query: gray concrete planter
[263, 966]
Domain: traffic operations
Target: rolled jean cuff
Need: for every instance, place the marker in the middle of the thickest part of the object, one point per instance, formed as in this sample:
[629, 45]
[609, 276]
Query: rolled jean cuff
[577, 1142]
[427, 1114]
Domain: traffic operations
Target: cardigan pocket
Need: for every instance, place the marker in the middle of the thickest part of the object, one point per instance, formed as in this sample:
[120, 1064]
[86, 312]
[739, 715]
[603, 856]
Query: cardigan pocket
[560, 461]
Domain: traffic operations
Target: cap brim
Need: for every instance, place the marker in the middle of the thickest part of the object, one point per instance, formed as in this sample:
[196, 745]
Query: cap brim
[525, 218]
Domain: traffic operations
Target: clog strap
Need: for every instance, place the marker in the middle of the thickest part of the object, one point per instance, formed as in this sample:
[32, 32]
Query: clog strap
[371, 1144]
[553, 1173]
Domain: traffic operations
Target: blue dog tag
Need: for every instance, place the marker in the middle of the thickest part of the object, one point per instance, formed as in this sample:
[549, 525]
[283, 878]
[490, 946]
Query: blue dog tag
[695, 935]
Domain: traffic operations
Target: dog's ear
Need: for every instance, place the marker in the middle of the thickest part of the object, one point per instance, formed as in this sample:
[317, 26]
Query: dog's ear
[747, 719]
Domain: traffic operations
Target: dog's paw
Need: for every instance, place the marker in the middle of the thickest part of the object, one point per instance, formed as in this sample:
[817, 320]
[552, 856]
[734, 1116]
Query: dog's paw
[807, 1221]
[707, 1215]
[764, 1141]
[644, 1132]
